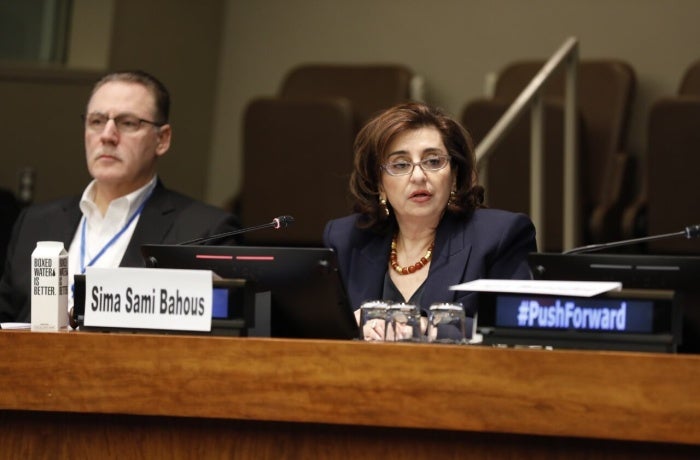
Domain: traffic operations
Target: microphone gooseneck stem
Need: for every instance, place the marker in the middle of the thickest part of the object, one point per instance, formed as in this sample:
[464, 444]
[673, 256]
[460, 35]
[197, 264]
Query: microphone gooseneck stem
[598, 247]
[274, 223]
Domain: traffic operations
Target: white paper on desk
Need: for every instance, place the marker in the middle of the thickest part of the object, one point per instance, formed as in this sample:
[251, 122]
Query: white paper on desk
[9, 326]
[543, 287]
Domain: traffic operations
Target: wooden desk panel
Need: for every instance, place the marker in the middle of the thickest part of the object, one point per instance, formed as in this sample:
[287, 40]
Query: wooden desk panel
[31, 435]
[346, 390]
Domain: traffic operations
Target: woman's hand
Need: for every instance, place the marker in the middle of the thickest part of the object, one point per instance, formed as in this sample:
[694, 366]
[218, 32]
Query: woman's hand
[373, 330]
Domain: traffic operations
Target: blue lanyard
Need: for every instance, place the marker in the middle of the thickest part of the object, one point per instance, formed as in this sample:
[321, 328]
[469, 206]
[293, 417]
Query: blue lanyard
[110, 243]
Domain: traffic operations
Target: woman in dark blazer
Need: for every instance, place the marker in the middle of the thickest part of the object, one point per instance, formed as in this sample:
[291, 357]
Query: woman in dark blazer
[420, 224]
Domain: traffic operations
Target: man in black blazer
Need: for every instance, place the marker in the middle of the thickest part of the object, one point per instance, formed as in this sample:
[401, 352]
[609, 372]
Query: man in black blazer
[125, 206]
[9, 210]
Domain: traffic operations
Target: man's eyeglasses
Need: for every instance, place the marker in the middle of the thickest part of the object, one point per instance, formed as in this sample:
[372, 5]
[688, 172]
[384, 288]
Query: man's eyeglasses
[403, 168]
[124, 123]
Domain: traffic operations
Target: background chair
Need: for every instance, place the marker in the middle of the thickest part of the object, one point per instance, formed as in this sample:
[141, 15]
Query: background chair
[297, 161]
[690, 83]
[507, 177]
[673, 170]
[369, 88]
[298, 146]
[668, 199]
[606, 172]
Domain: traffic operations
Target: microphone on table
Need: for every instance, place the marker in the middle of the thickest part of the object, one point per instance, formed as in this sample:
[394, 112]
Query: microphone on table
[691, 231]
[277, 223]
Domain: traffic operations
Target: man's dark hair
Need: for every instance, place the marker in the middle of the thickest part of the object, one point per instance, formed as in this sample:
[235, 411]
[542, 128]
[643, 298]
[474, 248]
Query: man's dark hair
[155, 86]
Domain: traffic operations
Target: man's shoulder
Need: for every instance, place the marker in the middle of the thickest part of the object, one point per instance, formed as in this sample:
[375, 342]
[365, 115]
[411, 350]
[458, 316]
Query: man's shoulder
[41, 210]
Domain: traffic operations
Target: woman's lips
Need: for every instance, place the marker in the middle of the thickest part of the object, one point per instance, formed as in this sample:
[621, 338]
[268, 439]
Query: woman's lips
[420, 196]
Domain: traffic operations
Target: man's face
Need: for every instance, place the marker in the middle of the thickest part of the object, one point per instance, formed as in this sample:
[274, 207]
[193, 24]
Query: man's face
[123, 160]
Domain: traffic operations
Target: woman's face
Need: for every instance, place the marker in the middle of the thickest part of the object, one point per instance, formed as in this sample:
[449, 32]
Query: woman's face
[420, 195]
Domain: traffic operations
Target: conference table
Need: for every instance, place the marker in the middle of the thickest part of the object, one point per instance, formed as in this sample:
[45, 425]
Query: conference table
[122, 395]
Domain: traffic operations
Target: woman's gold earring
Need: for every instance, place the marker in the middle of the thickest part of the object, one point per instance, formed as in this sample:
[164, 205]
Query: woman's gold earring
[382, 203]
[451, 200]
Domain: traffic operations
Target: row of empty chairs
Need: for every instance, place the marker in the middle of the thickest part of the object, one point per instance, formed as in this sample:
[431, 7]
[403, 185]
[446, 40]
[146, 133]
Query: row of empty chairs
[606, 171]
[669, 199]
[298, 145]
[306, 131]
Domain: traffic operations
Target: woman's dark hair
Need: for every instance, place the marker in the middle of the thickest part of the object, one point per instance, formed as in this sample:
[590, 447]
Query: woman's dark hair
[371, 146]
[160, 93]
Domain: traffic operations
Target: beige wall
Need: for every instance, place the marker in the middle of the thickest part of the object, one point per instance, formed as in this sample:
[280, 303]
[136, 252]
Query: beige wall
[454, 44]
[40, 128]
[216, 55]
[178, 41]
[90, 34]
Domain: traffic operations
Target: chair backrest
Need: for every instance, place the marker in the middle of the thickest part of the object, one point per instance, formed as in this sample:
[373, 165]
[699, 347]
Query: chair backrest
[605, 96]
[667, 200]
[672, 165]
[369, 88]
[297, 161]
[508, 173]
[673, 162]
[690, 84]
[606, 89]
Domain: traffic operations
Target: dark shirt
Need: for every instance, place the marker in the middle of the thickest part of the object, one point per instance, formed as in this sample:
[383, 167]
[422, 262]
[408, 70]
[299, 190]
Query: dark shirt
[487, 243]
[391, 293]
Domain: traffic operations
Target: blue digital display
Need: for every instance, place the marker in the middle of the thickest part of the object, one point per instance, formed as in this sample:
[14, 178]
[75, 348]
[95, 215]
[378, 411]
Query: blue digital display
[219, 307]
[582, 314]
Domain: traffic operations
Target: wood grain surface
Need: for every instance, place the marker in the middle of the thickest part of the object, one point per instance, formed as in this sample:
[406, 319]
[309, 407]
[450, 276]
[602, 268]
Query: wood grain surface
[186, 381]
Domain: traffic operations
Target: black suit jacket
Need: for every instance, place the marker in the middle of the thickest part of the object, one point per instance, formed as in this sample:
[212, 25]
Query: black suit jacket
[9, 210]
[167, 218]
[488, 243]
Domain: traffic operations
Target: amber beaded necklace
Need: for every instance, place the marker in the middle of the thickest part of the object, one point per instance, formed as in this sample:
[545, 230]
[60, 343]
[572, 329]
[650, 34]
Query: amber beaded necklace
[411, 268]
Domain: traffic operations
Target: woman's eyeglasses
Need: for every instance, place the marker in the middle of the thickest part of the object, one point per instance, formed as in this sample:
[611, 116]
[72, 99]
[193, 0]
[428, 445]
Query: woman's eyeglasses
[403, 168]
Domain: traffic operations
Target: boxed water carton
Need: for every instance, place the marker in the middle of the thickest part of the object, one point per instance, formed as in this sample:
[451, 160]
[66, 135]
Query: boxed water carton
[49, 286]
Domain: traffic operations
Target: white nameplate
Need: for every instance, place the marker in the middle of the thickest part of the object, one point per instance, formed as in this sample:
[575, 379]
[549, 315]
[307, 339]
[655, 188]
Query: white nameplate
[148, 298]
[544, 287]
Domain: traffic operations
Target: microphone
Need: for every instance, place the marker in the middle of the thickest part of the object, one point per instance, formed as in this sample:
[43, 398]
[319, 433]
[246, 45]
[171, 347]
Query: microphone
[277, 223]
[25, 191]
[691, 231]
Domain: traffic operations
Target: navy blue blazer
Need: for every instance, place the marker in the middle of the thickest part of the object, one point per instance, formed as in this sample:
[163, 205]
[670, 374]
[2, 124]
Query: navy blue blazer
[488, 243]
[167, 218]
